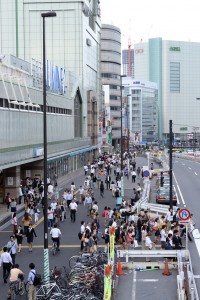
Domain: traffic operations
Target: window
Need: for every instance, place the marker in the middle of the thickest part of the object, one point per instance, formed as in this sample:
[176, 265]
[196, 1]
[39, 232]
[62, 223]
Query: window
[175, 77]
[114, 87]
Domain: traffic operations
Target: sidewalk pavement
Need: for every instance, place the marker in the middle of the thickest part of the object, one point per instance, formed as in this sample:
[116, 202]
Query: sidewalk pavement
[78, 178]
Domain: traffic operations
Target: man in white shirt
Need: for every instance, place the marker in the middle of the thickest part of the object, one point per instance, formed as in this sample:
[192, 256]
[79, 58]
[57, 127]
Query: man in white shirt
[55, 236]
[163, 236]
[53, 204]
[6, 260]
[73, 209]
[88, 203]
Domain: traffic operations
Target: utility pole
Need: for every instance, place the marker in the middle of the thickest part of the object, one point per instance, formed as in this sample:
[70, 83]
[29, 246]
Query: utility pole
[170, 164]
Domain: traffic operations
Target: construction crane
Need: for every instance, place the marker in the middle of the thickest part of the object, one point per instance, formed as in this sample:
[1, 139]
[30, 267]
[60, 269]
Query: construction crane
[129, 57]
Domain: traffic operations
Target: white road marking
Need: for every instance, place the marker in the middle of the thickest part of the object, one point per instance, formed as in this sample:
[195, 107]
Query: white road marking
[134, 285]
[189, 168]
[147, 280]
[197, 243]
[179, 190]
[183, 164]
[197, 276]
[195, 173]
[176, 195]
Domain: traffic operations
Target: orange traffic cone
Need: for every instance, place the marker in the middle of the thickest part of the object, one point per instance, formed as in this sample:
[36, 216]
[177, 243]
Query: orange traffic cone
[119, 268]
[166, 271]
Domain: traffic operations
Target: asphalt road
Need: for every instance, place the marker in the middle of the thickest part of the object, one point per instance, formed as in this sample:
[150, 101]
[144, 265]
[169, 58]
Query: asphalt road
[187, 183]
[70, 244]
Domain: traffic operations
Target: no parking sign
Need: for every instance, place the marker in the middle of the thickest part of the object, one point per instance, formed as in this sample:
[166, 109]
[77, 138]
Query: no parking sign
[184, 214]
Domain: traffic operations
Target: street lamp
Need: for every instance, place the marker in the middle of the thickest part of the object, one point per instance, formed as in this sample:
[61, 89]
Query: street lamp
[49, 14]
[122, 178]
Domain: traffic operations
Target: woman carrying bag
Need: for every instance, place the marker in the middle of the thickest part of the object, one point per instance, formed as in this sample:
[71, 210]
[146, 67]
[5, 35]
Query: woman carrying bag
[19, 236]
[30, 235]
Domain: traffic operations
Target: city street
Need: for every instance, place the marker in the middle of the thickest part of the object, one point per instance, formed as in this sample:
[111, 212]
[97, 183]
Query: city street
[70, 244]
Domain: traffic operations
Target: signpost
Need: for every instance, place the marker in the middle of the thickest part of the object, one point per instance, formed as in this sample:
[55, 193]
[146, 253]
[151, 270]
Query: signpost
[184, 216]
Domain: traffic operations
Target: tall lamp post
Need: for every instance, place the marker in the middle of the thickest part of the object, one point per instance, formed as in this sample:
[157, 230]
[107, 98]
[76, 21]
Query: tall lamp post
[122, 177]
[49, 14]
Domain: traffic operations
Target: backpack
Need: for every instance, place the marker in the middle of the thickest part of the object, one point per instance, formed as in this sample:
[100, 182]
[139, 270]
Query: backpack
[37, 279]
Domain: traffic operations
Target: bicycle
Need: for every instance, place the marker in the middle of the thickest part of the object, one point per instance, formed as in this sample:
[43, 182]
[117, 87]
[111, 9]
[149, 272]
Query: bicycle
[54, 249]
[45, 291]
[17, 288]
[56, 275]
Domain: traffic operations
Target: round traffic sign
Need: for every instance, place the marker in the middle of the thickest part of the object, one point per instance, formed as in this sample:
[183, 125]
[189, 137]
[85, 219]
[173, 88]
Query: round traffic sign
[184, 214]
[146, 173]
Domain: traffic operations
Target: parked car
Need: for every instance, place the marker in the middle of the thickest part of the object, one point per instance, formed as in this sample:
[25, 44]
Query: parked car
[162, 196]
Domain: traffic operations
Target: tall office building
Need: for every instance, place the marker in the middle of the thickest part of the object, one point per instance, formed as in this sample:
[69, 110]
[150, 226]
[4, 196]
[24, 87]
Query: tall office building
[141, 102]
[110, 73]
[175, 67]
[125, 62]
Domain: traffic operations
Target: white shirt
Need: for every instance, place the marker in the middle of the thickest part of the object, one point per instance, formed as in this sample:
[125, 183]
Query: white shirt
[81, 191]
[50, 189]
[148, 242]
[5, 258]
[53, 205]
[73, 205]
[55, 232]
[163, 235]
[50, 214]
[82, 228]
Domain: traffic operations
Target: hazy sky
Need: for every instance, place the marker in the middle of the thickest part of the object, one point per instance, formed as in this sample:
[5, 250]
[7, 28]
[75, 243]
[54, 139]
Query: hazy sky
[143, 19]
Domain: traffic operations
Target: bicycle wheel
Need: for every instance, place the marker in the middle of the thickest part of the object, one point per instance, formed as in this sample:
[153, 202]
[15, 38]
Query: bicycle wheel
[12, 293]
[21, 290]
[61, 282]
[73, 261]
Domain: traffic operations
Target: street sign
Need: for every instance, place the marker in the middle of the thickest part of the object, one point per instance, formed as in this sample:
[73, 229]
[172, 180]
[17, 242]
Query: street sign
[146, 173]
[184, 214]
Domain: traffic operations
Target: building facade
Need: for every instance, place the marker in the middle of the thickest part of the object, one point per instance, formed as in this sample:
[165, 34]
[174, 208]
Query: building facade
[73, 88]
[110, 74]
[175, 67]
[125, 62]
[141, 102]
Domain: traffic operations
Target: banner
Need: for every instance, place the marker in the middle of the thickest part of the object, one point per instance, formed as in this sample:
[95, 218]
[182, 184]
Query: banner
[112, 243]
[107, 281]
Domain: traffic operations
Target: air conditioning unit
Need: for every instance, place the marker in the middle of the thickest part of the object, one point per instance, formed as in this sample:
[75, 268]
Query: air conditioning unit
[88, 42]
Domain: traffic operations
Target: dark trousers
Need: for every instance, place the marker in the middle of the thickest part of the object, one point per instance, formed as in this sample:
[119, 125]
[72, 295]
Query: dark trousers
[6, 270]
[73, 215]
[133, 178]
[13, 258]
[108, 185]
[56, 240]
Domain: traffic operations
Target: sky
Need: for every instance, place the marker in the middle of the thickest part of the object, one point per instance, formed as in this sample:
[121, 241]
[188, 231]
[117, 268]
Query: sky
[143, 19]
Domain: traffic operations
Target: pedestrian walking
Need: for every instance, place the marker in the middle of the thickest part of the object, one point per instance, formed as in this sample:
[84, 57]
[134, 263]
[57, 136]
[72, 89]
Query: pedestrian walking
[19, 237]
[26, 220]
[82, 194]
[8, 201]
[12, 248]
[6, 261]
[30, 235]
[31, 287]
[62, 207]
[133, 175]
[57, 215]
[13, 205]
[73, 188]
[50, 217]
[88, 203]
[14, 222]
[102, 189]
[73, 208]
[108, 181]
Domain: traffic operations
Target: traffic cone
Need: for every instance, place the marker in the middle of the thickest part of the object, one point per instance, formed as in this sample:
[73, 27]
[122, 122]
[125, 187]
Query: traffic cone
[166, 271]
[119, 268]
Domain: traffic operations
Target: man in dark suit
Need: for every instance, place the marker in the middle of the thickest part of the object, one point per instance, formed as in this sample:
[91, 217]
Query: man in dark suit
[176, 240]
[108, 181]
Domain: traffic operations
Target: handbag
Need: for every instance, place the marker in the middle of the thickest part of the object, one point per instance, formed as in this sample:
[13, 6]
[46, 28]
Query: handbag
[86, 240]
